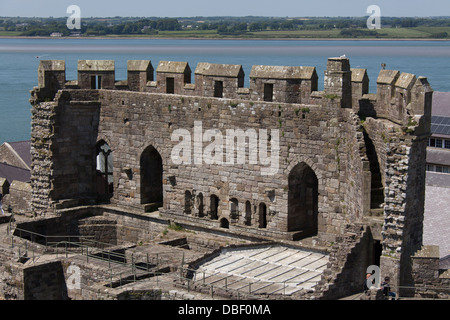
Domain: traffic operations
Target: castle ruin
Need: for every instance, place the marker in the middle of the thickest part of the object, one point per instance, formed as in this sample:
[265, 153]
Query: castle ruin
[342, 168]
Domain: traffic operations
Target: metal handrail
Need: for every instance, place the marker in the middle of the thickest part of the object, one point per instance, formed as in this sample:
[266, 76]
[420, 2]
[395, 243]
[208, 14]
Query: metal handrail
[202, 280]
[35, 234]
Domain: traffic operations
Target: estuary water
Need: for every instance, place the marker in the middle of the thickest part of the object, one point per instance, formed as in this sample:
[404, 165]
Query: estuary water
[19, 61]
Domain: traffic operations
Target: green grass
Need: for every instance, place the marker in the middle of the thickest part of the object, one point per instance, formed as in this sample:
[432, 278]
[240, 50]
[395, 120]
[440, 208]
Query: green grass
[385, 33]
[399, 33]
[391, 33]
[10, 33]
[297, 34]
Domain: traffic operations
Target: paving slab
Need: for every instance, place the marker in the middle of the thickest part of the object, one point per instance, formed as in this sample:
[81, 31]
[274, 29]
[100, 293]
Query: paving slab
[280, 269]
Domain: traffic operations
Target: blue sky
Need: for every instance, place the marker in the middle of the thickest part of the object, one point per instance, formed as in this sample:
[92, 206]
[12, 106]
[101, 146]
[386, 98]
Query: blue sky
[190, 8]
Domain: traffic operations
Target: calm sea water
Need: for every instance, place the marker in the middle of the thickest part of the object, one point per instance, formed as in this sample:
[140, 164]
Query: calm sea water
[19, 60]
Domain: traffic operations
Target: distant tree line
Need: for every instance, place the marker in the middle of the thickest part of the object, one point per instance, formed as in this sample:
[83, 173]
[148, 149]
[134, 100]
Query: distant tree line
[45, 27]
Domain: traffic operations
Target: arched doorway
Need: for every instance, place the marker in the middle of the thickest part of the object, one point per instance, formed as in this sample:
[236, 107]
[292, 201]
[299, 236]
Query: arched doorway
[104, 171]
[151, 176]
[303, 200]
[224, 223]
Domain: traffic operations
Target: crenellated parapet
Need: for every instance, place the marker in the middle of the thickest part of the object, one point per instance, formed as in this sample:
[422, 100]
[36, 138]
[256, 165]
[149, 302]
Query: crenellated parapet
[399, 97]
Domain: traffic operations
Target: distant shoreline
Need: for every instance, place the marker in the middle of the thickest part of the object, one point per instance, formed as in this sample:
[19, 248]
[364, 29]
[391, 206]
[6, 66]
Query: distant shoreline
[219, 38]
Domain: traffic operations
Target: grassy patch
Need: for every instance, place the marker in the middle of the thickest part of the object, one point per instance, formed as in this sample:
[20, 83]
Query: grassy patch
[10, 33]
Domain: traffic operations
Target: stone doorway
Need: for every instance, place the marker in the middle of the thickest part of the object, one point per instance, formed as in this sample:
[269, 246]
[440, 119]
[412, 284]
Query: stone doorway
[303, 200]
[151, 176]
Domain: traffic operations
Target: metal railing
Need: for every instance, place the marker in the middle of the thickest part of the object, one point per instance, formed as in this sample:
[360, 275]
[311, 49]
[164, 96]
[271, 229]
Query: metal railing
[247, 286]
[123, 269]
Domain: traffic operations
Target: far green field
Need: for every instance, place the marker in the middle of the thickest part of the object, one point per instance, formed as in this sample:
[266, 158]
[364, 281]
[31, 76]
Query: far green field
[391, 33]
[334, 33]
[419, 32]
[9, 33]
[394, 33]
[384, 33]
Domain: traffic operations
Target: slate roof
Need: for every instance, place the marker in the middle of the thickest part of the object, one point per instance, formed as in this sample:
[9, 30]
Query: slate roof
[438, 156]
[20, 151]
[23, 148]
[12, 173]
[441, 104]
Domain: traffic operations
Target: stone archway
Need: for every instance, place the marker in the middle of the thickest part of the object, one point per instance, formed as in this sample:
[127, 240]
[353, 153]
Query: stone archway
[151, 169]
[303, 200]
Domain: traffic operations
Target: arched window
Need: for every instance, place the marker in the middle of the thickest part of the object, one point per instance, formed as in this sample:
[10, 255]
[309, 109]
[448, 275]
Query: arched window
[104, 170]
[151, 176]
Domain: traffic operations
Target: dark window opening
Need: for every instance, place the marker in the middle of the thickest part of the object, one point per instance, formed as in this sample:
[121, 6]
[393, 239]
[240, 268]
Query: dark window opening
[96, 82]
[262, 215]
[214, 207]
[187, 202]
[151, 176]
[224, 223]
[268, 92]
[218, 89]
[377, 251]
[199, 205]
[432, 142]
[170, 85]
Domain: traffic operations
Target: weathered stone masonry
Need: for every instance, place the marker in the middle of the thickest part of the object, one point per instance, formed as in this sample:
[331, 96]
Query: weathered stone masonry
[345, 155]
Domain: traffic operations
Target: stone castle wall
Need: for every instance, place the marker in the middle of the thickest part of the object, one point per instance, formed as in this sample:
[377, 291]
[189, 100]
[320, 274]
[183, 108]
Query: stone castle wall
[330, 151]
